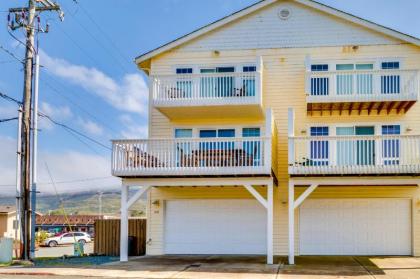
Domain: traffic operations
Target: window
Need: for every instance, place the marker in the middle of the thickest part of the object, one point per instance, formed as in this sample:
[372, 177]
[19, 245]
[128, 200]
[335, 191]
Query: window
[183, 147]
[319, 67]
[220, 133]
[217, 86]
[183, 84]
[184, 70]
[345, 81]
[251, 132]
[252, 148]
[319, 84]
[391, 146]
[68, 235]
[248, 82]
[249, 69]
[390, 82]
[390, 65]
[183, 133]
[318, 148]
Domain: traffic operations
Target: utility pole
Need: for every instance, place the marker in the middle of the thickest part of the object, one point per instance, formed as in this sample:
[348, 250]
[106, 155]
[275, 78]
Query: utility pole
[25, 17]
[34, 156]
[17, 226]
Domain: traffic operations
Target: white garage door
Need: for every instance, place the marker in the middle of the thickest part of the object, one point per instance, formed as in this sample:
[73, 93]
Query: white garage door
[355, 227]
[215, 227]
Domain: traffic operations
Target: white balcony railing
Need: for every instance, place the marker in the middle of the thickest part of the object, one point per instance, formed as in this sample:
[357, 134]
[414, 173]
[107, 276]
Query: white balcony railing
[206, 89]
[383, 154]
[362, 86]
[191, 156]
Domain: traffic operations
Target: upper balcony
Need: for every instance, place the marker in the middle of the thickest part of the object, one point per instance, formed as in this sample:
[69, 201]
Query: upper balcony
[370, 90]
[191, 157]
[354, 155]
[209, 95]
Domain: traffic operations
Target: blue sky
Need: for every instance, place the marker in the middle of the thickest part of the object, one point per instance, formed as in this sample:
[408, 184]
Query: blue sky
[90, 82]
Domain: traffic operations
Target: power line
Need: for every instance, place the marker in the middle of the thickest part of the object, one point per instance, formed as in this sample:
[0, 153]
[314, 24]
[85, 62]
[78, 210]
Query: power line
[10, 99]
[11, 54]
[88, 179]
[74, 131]
[105, 35]
[8, 119]
[64, 96]
[58, 123]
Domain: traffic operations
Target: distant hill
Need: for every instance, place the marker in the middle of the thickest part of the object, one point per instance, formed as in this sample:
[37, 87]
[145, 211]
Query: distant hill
[81, 203]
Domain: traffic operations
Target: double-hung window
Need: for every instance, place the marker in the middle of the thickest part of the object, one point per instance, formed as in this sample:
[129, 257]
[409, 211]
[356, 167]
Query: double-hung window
[391, 145]
[183, 87]
[390, 82]
[319, 83]
[319, 149]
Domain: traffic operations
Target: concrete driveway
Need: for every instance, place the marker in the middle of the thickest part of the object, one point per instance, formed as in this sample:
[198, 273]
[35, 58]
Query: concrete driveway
[216, 267]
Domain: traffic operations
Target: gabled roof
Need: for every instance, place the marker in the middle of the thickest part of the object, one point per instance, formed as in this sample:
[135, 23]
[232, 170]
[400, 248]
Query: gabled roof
[263, 3]
[7, 209]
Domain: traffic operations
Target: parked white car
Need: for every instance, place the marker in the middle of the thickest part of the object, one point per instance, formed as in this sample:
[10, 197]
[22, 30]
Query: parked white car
[67, 238]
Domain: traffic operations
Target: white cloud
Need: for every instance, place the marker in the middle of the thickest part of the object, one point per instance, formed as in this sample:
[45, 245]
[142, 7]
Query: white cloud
[56, 112]
[132, 128]
[68, 165]
[91, 127]
[130, 94]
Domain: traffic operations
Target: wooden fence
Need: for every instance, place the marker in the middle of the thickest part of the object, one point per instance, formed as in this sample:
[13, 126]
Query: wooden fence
[107, 237]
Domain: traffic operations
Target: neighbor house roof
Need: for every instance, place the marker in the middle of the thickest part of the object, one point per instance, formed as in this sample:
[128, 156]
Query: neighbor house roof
[72, 220]
[261, 4]
[7, 209]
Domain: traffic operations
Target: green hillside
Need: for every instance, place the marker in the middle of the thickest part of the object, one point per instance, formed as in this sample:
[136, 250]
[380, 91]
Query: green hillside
[81, 203]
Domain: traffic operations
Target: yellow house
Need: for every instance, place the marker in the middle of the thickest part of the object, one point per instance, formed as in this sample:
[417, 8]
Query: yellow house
[287, 128]
[7, 219]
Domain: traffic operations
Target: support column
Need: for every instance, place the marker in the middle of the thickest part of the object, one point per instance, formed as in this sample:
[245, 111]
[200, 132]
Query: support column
[291, 223]
[270, 223]
[124, 224]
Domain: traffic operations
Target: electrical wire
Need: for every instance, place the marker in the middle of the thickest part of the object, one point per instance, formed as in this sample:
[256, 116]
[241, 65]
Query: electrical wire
[8, 119]
[74, 131]
[10, 99]
[89, 179]
[11, 54]
[64, 96]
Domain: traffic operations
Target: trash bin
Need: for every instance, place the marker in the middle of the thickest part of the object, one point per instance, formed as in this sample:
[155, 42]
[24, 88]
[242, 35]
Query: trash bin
[6, 250]
[132, 246]
[78, 249]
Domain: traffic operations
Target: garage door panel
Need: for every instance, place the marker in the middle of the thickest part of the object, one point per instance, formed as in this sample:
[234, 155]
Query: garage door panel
[355, 227]
[215, 227]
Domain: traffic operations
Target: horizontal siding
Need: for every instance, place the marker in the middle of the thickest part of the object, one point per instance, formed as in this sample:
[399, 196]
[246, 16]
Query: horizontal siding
[305, 27]
[283, 46]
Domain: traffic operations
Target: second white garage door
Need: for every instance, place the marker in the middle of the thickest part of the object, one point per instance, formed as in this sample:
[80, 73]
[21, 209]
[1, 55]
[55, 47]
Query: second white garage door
[355, 227]
[215, 227]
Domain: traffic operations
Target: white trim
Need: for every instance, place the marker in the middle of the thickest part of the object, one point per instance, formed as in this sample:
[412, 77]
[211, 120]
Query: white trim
[183, 181]
[321, 7]
[137, 195]
[291, 223]
[256, 195]
[304, 195]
